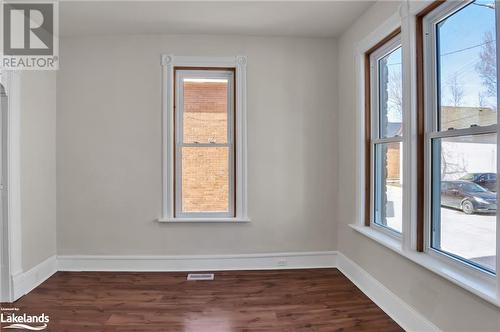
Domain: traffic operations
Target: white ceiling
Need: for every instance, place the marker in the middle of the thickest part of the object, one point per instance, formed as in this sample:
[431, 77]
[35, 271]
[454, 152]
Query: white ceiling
[307, 19]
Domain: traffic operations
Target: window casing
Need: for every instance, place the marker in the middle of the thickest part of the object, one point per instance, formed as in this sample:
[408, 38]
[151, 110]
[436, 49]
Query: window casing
[200, 134]
[420, 96]
[386, 139]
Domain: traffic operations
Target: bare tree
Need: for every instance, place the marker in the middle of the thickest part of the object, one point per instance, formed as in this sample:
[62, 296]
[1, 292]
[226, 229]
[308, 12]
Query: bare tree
[395, 92]
[456, 91]
[487, 67]
[451, 167]
[481, 98]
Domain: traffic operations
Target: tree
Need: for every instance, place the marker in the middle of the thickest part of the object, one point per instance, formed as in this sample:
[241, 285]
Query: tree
[395, 93]
[481, 98]
[487, 66]
[453, 165]
[456, 91]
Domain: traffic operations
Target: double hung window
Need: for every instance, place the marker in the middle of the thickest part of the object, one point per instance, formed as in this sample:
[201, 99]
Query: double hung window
[204, 149]
[386, 141]
[461, 108]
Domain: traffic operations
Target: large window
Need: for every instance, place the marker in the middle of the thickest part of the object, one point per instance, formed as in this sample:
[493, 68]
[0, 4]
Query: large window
[429, 183]
[461, 131]
[204, 150]
[386, 142]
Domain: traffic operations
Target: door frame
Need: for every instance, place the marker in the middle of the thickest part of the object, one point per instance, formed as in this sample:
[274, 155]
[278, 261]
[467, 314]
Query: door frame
[11, 248]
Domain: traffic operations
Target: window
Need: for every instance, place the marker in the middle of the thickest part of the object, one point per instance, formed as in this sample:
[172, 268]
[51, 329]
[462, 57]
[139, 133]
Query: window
[461, 131]
[448, 132]
[204, 150]
[204, 139]
[386, 139]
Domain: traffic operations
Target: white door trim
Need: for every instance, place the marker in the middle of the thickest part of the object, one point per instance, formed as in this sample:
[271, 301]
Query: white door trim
[5, 281]
[13, 247]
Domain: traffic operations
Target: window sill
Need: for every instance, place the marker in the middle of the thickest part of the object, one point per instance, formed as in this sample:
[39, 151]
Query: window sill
[478, 283]
[204, 220]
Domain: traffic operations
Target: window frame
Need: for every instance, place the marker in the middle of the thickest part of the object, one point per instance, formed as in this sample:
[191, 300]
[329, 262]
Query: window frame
[385, 46]
[181, 73]
[432, 131]
[236, 64]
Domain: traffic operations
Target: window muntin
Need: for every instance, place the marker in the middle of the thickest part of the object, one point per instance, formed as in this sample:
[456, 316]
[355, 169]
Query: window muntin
[204, 151]
[387, 135]
[460, 138]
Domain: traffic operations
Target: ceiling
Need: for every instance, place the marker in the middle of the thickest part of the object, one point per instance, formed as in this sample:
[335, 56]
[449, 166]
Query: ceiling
[305, 19]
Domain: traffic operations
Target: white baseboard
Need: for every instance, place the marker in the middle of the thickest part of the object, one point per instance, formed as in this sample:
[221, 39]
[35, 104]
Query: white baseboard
[25, 282]
[407, 317]
[290, 260]
[402, 313]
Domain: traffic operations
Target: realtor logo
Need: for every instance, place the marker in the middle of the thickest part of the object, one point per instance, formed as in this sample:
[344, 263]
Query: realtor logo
[10, 318]
[29, 37]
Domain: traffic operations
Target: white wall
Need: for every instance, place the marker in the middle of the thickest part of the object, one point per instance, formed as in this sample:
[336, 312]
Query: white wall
[109, 146]
[446, 305]
[38, 166]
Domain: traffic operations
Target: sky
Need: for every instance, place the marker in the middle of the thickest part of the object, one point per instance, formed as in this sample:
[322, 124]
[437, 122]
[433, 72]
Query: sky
[394, 60]
[460, 37]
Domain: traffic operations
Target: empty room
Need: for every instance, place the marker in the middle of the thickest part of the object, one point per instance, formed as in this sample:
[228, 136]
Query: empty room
[249, 165]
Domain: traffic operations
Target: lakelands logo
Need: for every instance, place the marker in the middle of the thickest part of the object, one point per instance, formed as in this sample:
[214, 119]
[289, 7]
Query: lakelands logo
[29, 35]
[10, 318]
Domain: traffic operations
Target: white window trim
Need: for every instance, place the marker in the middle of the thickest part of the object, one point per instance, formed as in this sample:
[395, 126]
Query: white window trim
[482, 284]
[168, 62]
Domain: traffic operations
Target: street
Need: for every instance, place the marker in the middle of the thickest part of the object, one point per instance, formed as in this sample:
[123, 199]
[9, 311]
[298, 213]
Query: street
[469, 236]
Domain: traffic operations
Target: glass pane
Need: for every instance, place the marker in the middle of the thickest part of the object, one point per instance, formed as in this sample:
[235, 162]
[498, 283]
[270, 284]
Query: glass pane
[389, 185]
[205, 111]
[465, 201]
[205, 179]
[391, 94]
[467, 67]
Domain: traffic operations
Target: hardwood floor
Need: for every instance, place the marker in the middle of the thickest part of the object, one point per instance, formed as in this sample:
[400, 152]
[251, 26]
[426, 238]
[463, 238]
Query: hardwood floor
[288, 300]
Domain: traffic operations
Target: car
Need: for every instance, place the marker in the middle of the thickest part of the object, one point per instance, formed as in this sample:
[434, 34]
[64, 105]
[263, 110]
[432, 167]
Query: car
[486, 180]
[467, 196]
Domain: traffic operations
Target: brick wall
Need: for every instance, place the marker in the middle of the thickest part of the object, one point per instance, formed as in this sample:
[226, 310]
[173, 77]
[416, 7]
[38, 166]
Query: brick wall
[205, 171]
[393, 162]
[463, 117]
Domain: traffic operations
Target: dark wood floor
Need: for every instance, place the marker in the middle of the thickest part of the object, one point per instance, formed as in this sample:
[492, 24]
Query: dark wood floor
[291, 300]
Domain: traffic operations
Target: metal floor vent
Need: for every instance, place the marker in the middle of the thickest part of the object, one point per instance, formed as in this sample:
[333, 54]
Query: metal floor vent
[200, 276]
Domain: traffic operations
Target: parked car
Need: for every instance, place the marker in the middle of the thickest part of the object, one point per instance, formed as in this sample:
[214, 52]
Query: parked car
[467, 196]
[486, 180]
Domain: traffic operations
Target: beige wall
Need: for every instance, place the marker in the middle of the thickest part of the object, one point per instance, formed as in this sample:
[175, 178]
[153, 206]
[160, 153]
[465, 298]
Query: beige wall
[446, 305]
[109, 160]
[109, 147]
[38, 166]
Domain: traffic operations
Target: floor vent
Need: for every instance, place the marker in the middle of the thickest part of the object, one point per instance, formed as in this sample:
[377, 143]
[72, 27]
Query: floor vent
[200, 276]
